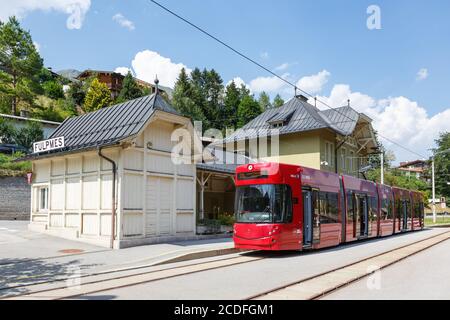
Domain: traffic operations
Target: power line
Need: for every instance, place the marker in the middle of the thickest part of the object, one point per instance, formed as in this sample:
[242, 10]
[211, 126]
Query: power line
[270, 71]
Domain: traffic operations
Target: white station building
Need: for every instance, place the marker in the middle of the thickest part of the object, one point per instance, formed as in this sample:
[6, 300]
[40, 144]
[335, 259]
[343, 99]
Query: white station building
[114, 175]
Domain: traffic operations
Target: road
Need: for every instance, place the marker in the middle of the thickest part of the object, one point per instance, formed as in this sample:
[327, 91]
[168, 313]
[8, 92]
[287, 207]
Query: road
[259, 272]
[248, 279]
[420, 277]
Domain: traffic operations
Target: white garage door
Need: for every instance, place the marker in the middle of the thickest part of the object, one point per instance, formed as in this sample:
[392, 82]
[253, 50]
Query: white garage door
[160, 212]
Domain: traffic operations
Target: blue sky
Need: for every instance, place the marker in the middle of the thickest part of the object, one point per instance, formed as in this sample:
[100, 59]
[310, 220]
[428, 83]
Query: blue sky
[377, 69]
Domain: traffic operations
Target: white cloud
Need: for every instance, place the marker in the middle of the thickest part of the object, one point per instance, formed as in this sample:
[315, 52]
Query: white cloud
[282, 67]
[397, 118]
[148, 64]
[123, 70]
[124, 22]
[76, 9]
[314, 84]
[239, 82]
[269, 84]
[422, 74]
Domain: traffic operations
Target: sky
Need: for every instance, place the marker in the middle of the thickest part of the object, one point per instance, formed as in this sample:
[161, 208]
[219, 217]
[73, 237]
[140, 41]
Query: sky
[390, 58]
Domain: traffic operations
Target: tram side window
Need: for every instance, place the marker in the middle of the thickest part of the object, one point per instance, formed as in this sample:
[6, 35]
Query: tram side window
[398, 208]
[422, 212]
[408, 209]
[350, 207]
[390, 209]
[373, 208]
[385, 209]
[283, 204]
[328, 207]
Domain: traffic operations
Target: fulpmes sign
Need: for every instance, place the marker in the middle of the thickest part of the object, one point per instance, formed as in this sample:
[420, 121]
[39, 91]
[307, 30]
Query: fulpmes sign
[47, 145]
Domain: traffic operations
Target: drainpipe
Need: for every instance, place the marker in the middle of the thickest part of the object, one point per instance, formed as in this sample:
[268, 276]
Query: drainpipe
[113, 212]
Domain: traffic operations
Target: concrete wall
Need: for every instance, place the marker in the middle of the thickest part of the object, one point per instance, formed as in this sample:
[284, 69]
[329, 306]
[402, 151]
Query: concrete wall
[15, 194]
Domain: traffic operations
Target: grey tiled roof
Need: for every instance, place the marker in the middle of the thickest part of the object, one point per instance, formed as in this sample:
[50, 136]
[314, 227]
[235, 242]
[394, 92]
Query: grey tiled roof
[108, 126]
[299, 116]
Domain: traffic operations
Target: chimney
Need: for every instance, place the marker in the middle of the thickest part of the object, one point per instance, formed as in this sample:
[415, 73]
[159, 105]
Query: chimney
[302, 97]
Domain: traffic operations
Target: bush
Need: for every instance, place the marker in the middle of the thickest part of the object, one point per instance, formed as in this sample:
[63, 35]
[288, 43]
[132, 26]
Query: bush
[29, 134]
[53, 90]
[226, 219]
[7, 132]
[10, 168]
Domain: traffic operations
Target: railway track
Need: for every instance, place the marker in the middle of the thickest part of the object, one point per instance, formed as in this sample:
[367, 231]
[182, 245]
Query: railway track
[319, 285]
[309, 288]
[92, 283]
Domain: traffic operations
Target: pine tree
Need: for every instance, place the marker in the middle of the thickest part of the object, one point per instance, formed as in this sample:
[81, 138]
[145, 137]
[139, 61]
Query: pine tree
[248, 110]
[20, 64]
[442, 164]
[130, 89]
[264, 101]
[231, 103]
[183, 99]
[278, 101]
[98, 96]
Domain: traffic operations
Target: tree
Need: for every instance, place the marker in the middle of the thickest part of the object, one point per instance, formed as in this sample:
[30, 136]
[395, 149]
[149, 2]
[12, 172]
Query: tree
[207, 93]
[183, 98]
[278, 101]
[442, 165]
[248, 110]
[98, 96]
[20, 64]
[29, 134]
[53, 89]
[231, 103]
[264, 101]
[130, 89]
[6, 132]
[76, 93]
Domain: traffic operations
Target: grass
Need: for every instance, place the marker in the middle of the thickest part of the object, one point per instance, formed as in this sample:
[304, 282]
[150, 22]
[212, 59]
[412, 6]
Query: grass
[10, 168]
[440, 220]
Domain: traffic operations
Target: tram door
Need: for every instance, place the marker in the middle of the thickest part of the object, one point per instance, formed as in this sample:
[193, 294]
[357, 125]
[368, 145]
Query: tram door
[311, 227]
[362, 216]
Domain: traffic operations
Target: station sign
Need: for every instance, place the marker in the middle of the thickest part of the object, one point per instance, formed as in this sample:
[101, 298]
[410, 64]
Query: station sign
[48, 145]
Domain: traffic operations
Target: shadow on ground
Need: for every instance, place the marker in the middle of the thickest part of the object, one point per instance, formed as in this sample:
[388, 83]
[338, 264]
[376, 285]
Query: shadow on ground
[16, 275]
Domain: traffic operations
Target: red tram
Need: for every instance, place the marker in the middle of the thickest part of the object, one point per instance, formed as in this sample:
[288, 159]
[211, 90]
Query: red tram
[286, 207]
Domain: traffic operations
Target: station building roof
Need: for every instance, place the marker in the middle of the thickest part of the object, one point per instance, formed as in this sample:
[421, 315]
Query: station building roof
[107, 126]
[297, 115]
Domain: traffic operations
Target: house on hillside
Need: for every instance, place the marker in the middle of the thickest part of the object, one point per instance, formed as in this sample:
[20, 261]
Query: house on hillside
[336, 140]
[48, 127]
[114, 81]
[416, 168]
[113, 181]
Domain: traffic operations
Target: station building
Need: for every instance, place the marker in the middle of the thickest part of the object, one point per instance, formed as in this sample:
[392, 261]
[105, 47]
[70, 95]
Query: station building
[115, 175]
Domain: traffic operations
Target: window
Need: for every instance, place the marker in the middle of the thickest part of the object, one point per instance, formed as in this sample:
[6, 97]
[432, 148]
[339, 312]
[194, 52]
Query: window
[328, 203]
[373, 211]
[264, 204]
[43, 199]
[350, 207]
[386, 209]
[351, 162]
[343, 159]
[329, 153]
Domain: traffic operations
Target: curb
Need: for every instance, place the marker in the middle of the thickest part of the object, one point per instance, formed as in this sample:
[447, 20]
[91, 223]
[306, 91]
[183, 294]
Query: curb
[198, 255]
